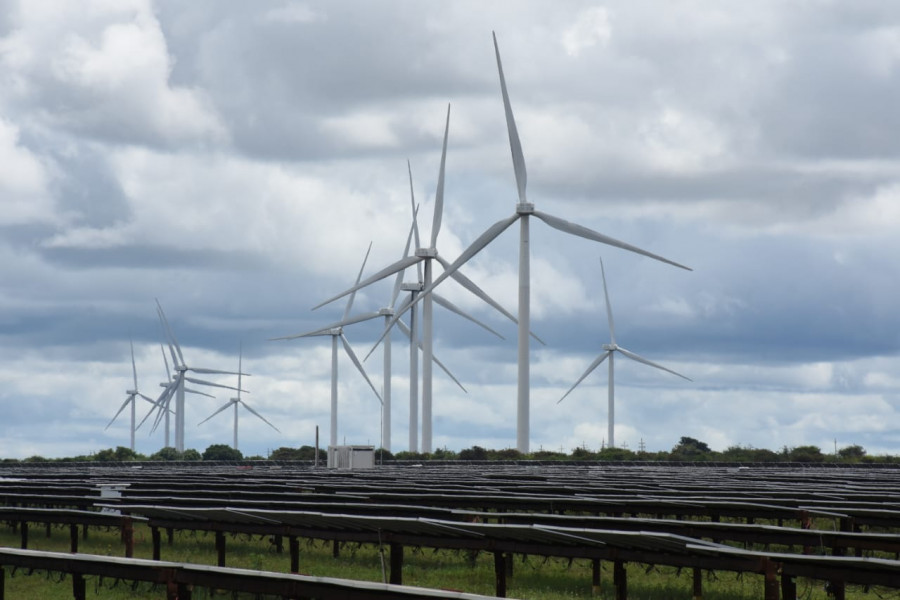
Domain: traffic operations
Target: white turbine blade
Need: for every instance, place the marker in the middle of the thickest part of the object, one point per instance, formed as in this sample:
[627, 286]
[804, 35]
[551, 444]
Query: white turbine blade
[225, 407]
[119, 412]
[474, 248]
[359, 366]
[214, 372]
[434, 358]
[168, 373]
[240, 367]
[210, 383]
[590, 234]
[587, 372]
[473, 287]
[227, 404]
[191, 391]
[415, 211]
[398, 281]
[147, 398]
[247, 406]
[358, 277]
[386, 272]
[439, 192]
[609, 316]
[514, 145]
[162, 404]
[342, 323]
[641, 359]
[133, 366]
[453, 308]
[170, 331]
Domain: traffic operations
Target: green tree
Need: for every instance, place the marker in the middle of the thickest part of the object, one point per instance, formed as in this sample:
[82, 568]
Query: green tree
[222, 452]
[853, 453]
[690, 449]
[167, 453]
[806, 454]
[191, 454]
[473, 453]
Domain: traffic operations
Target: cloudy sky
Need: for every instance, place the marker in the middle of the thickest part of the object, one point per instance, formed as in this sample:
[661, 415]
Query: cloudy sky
[235, 160]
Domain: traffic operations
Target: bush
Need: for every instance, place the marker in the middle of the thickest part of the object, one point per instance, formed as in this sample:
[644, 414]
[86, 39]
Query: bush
[221, 452]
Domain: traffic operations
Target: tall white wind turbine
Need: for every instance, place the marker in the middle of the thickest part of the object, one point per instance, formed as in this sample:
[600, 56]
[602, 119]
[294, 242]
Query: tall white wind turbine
[176, 386]
[524, 210]
[426, 256]
[234, 402]
[131, 396]
[609, 351]
[337, 333]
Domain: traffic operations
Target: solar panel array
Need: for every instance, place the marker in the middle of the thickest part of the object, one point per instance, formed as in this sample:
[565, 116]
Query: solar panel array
[695, 516]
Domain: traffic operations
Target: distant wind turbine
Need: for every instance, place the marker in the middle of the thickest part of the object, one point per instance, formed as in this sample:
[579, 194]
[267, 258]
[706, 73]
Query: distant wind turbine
[524, 210]
[426, 256]
[337, 333]
[609, 351]
[176, 386]
[131, 399]
[237, 401]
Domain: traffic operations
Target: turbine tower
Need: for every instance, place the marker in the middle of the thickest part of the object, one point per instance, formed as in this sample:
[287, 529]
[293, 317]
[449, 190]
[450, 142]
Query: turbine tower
[176, 386]
[237, 401]
[524, 210]
[336, 331]
[426, 256]
[131, 399]
[609, 352]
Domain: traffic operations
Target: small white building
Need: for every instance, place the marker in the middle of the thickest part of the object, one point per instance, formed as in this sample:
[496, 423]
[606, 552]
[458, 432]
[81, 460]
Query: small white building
[351, 457]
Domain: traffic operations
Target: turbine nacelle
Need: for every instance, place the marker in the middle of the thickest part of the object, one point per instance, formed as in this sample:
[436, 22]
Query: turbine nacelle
[524, 208]
[386, 312]
[413, 287]
[610, 347]
[426, 252]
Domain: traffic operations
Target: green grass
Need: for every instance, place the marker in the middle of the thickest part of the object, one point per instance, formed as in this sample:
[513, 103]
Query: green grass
[533, 577]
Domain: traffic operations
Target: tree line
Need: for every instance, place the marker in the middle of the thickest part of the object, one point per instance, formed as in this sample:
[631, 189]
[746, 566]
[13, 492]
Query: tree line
[687, 449]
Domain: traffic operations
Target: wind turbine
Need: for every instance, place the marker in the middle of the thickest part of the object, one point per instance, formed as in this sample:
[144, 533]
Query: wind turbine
[524, 210]
[130, 399]
[426, 256]
[609, 351]
[336, 331]
[176, 385]
[235, 402]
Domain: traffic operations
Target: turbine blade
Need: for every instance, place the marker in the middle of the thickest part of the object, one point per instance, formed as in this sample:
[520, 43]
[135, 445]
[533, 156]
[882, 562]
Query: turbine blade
[266, 421]
[359, 366]
[227, 405]
[398, 281]
[590, 234]
[415, 211]
[609, 316]
[514, 145]
[472, 287]
[190, 391]
[439, 192]
[386, 272]
[474, 248]
[587, 372]
[210, 383]
[405, 329]
[147, 398]
[358, 277]
[133, 366]
[168, 373]
[641, 359]
[453, 308]
[215, 372]
[130, 398]
[170, 331]
[240, 366]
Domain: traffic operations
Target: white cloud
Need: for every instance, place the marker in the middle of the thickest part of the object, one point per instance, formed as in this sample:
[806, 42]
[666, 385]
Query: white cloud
[24, 181]
[591, 28]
